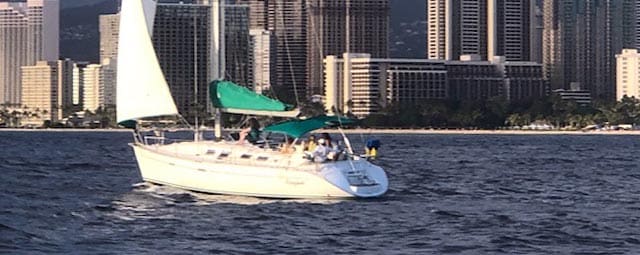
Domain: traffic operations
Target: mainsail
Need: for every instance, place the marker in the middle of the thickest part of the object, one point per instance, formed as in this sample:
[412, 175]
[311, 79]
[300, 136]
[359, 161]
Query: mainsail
[232, 98]
[142, 90]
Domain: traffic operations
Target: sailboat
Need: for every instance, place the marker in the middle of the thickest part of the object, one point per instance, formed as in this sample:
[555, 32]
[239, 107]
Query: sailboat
[223, 166]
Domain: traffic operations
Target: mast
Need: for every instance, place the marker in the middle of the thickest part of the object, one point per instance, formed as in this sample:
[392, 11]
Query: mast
[218, 53]
[347, 61]
[196, 134]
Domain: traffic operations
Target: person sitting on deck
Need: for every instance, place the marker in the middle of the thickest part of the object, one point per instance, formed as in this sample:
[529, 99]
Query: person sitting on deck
[321, 151]
[311, 143]
[251, 133]
[333, 149]
[327, 140]
[287, 146]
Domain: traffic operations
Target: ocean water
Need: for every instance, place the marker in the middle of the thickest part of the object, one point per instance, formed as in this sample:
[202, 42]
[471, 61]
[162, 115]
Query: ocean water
[66, 192]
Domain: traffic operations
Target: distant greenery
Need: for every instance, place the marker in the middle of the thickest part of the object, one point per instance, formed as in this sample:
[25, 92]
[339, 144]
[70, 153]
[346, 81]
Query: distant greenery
[497, 113]
[15, 115]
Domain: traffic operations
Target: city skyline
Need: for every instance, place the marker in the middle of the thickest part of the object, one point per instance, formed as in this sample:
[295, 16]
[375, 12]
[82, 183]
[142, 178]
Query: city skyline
[301, 33]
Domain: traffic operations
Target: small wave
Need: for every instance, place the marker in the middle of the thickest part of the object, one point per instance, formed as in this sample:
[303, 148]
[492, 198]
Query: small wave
[176, 195]
[446, 192]
[459, 248]
[7, 230]
[452, 214]
[104, 208]
[79, 215]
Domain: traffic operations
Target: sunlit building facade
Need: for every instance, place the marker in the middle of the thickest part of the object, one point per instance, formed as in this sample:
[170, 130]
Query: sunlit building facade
[29, 32]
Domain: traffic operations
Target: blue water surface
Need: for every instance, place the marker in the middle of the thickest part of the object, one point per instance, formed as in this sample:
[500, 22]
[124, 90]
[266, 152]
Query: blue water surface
[80, 192]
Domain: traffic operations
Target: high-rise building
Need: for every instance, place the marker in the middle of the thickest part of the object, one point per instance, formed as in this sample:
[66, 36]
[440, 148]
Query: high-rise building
[258, 13]
[28, 32]
[372, 84]
[436, 29]
[467, 33]
[367, 31]
[263, 48]
[630, 23]
[109, 30]
[558, 40]
[182, 39]
[107, 90]
[455, 28]
[237, 39]
[65, 88]
[581, 39]
[509, 29]
[536, 30]
[188, 38]
[43, 90]
[635, 23]
[92, 79]
[628, 74]
[287, 21]
[486, 28]
[78, 84]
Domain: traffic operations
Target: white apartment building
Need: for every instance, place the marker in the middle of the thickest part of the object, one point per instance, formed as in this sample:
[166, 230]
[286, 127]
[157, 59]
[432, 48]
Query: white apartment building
[40, 88]
[92, 80]
[436, 29]
[109, 31]
[263, 47]
[628, 74]
[365, 85]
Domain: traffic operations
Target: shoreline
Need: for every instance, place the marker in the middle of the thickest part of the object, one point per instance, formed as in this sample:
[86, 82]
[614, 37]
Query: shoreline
[379, 131]
[64, 130]
[481, 132]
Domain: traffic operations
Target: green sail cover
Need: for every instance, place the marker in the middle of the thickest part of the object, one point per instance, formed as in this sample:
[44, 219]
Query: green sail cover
[228, 95]
[297, 128]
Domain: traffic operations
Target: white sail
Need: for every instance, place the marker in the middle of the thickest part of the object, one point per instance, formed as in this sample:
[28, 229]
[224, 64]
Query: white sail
[142, 89]
[149, 8]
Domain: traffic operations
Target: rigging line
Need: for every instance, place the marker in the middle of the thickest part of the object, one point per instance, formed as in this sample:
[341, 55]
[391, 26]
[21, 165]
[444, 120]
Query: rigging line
[286, 45]
[181, 118]
[317, 37]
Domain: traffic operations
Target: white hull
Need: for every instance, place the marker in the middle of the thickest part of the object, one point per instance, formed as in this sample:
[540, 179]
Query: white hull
[198, 166]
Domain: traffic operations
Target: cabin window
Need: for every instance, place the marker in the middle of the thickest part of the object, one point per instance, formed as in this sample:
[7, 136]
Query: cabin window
[211, 152]
[245, 156]
[262, 158]
[223, 154]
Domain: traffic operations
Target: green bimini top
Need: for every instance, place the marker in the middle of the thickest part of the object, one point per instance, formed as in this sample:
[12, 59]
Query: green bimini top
[228, 95]
[297, 128]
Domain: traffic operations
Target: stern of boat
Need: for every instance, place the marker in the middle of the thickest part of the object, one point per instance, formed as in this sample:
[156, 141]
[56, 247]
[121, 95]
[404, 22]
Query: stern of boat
[359, 178]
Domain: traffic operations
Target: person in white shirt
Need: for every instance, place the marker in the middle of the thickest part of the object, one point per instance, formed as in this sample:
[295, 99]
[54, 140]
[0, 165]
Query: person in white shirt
[321, 151]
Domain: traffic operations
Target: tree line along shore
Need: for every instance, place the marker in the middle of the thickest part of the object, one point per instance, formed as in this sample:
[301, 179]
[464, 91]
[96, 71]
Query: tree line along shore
[446, 116]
